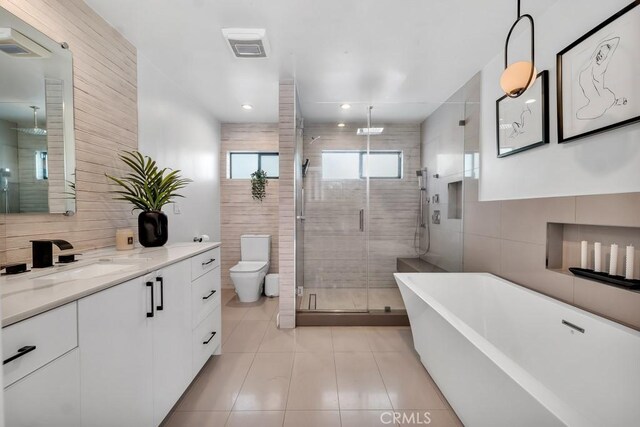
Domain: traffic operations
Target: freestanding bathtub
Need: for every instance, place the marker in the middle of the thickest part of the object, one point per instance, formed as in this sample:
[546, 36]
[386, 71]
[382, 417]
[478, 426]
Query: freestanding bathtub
[507, 356]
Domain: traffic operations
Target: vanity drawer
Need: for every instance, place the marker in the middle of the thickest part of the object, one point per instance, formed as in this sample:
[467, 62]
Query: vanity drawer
[41, 338]
[205, 296]
[204, 341]
[204, 262]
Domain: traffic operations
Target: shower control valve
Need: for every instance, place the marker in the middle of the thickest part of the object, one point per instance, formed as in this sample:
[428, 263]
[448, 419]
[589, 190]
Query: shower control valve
[435, 217]
[436, 198]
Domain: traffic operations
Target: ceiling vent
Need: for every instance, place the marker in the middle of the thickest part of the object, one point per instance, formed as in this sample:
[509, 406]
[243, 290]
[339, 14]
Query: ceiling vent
[18, 45]
[247, 42]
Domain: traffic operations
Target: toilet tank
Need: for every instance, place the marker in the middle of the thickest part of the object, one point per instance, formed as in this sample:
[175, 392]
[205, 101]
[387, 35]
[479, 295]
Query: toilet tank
[255, 247]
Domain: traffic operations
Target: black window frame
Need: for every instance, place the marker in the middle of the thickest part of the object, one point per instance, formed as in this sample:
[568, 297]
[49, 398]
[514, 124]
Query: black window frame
[260, 155]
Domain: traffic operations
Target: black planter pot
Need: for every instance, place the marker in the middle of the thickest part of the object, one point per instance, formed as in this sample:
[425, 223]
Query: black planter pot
[153, 229]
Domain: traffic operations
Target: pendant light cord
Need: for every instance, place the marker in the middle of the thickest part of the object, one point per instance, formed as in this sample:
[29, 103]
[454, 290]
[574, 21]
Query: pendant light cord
[506, 49]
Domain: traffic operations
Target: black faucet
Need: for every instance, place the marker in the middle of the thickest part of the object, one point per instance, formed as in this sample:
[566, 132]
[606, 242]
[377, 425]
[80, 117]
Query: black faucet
[42, 251]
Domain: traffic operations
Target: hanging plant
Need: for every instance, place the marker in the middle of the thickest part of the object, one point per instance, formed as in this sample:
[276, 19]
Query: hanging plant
[259, 185]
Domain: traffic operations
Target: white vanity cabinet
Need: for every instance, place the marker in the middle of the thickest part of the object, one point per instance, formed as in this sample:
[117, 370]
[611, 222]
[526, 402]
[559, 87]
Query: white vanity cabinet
[135, 348]
[171, 326]
[206, 300]
[41, 370]
[116, 356]
[122, 356]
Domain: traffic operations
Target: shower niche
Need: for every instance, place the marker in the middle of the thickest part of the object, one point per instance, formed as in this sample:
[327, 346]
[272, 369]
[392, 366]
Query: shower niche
[454, 209]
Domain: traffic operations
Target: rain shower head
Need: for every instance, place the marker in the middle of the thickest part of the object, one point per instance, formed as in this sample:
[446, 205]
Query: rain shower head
[35, 130]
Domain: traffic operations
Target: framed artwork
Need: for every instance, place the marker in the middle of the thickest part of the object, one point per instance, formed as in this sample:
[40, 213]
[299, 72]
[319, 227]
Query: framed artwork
[523, 123]
[599, 77]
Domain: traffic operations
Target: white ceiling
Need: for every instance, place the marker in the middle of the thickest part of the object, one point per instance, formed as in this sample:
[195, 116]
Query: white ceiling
[406, 56]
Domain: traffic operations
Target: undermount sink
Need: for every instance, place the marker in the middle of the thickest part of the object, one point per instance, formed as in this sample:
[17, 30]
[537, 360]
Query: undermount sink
[96, 269]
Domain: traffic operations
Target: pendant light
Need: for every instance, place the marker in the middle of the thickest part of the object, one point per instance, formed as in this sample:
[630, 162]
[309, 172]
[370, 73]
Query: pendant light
[519, 76]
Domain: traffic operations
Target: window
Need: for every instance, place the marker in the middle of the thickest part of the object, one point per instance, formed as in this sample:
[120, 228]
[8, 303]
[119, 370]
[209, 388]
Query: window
[243, 164]
[382, 164]
[42, 165]
[354, 164]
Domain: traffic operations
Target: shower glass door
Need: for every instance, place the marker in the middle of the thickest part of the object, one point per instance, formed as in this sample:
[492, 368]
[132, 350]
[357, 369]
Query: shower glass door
[336, 201]
[394, 158]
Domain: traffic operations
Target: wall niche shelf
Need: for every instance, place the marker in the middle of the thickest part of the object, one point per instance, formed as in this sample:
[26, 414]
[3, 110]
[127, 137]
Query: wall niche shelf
[564, 252]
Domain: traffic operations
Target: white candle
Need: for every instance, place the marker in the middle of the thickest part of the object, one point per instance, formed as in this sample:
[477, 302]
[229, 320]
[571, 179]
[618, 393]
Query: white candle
[584, 247]
[631, 251]
[613, 263]
[597, 255]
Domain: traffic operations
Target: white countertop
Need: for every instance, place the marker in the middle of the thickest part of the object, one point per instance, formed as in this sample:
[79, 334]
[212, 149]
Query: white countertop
[27, 294]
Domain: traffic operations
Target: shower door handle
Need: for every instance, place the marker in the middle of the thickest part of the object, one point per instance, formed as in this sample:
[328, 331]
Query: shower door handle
[361, 219]
[301, 217]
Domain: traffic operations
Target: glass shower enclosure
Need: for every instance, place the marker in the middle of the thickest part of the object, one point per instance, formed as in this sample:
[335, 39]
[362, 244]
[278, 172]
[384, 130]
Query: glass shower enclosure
[358, 207]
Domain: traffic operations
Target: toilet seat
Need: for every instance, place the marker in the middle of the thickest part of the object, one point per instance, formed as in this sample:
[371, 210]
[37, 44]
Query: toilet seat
[248, 266]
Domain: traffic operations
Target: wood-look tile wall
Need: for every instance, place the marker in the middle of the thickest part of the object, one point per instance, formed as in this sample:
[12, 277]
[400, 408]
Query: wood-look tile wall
[508, 237]
[336, 252]
[34, 194]
[286, 208]
[239, 213]
[57, 191]
[105, 107]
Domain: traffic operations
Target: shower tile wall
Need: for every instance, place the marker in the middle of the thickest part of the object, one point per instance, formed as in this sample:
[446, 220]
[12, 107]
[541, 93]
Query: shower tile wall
[286, 201]
[443, 154]
[335, 248]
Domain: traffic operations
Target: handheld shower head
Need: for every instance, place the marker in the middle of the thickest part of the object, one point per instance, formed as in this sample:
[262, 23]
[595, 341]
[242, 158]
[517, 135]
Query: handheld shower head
[314, 139]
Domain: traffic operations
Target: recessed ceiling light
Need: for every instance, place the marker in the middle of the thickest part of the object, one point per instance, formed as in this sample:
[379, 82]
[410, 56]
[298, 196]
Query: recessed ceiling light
[341, 125]
[247, 107]
[530, 101]
[345, 106]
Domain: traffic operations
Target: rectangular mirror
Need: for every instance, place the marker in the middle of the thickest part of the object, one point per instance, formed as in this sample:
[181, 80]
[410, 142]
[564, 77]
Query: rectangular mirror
[37, 149]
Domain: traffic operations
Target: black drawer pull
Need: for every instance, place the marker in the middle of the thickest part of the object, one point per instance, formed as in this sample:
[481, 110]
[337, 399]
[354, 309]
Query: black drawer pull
[21, 352]
[161, 306]
[213, 334]
[150, 286]
[208, 262]
[210, 295]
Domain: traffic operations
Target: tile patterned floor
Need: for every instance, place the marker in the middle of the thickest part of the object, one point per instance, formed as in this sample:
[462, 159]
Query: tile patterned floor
[310, 376]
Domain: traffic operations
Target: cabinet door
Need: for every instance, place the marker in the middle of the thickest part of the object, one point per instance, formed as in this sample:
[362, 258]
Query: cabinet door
[48, 397]
[171, 337]
[116, 356]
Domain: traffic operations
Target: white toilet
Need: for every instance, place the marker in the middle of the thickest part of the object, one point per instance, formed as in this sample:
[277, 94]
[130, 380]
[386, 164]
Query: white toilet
[248, 275]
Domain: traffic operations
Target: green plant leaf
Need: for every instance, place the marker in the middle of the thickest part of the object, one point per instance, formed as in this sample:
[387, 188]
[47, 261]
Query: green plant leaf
[146, 186]
[258, 185]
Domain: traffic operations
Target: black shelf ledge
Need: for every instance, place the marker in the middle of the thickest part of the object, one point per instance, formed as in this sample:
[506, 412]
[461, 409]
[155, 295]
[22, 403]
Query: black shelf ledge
[606, 278]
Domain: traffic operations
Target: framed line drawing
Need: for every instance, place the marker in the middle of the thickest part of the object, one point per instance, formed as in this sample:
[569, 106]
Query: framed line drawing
[599, 77]
[523, 123]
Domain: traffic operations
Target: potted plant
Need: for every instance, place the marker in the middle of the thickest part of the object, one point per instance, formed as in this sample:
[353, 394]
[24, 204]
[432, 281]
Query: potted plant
[148, 188]
[259, 185]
